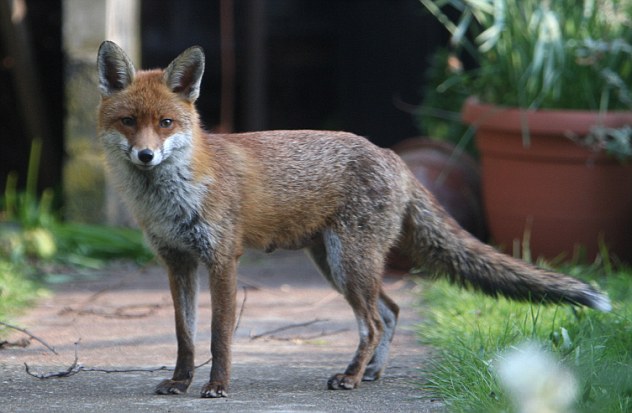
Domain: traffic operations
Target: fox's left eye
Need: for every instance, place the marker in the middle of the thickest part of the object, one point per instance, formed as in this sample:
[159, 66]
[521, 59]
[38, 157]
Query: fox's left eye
[128, 121]
[166, 123]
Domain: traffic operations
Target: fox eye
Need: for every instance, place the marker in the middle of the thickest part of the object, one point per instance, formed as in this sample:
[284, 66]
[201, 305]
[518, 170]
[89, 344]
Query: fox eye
[166, 123]
[128, 121]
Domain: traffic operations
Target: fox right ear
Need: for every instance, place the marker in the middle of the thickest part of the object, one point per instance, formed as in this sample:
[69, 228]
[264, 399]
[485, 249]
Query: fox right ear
[116, 70]
[184, 74]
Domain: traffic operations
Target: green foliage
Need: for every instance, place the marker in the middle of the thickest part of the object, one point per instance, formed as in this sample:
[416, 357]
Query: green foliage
[80, 243]
[29, 228]
[470, 330]
[544, 54]
[17, 288]
[24, 207]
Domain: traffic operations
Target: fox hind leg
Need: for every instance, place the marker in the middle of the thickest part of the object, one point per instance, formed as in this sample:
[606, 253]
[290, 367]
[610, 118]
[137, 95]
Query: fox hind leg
[389, 312]
[355, 272]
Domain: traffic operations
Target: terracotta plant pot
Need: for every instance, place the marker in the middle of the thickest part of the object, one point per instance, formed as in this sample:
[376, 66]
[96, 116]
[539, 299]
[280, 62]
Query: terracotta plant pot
[555, 195]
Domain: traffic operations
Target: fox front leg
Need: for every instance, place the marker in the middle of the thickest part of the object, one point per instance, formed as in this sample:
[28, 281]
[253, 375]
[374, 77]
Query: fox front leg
[183, 283]
[223, 285]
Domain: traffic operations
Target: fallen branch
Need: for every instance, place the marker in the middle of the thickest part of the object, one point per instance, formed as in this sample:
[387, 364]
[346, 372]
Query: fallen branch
[307, 338]
[287, 327]
[70, 371]
[23, 343]
[31, 335]
[97, 294]
[75, 368]
[146, 370]
[123, 312]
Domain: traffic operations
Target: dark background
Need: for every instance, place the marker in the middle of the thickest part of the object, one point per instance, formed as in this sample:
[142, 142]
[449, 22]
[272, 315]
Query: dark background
[332, 64]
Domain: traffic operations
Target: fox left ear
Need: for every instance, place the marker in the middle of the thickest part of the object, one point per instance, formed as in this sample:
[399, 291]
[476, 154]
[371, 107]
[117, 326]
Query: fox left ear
[116, 70]
[184, 74]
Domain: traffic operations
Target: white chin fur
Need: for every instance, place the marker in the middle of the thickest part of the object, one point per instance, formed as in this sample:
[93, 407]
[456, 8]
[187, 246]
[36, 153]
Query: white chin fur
[144, 167]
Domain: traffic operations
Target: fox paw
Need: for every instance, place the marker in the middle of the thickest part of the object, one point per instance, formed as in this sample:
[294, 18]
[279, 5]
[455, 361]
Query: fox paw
[371, 374]
[214, 390]
[342, 382]
[172, 387]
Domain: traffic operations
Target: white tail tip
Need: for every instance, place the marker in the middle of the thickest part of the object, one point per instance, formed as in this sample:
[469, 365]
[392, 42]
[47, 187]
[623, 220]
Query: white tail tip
[600, 302]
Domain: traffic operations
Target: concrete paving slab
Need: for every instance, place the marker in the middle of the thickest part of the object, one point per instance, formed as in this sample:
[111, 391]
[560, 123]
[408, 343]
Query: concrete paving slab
[123, 319]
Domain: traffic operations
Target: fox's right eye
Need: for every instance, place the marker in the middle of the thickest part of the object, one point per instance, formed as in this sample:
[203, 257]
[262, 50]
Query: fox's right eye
[128, 121]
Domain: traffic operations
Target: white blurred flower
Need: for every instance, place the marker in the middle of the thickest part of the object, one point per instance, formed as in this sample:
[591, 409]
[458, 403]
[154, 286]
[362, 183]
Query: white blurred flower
[536, 381]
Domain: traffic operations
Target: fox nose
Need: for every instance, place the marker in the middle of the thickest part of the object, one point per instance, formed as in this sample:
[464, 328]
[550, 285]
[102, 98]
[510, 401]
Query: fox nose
[146, 155]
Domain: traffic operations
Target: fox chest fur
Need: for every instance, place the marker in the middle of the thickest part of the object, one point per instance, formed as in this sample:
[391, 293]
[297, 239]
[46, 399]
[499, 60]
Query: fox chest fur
[167, 203]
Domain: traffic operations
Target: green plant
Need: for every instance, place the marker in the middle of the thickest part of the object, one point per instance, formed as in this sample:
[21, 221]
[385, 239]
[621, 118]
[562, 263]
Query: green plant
[31, 235]
[26, 208]
[25, 217]
[17, 288]
[29, 228]
[469, 331]
[544, 54]
[88, 245]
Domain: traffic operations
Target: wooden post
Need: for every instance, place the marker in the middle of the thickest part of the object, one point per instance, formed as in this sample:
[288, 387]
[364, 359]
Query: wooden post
[88, 197]
[122, 26]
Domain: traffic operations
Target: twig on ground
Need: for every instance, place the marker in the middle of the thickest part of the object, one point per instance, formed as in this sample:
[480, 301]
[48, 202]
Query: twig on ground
[94, 296]
[287, 327]
[28, 333]
[124, 312]
[250, 283]
[75, 368]
[70, 371]
[306, 338]
[332, 295]
[241, 311]
[23, 342]
[147, 370]
[203, 364]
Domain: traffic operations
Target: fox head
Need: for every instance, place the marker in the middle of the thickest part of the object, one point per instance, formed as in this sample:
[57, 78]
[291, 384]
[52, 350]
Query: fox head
[146, 116]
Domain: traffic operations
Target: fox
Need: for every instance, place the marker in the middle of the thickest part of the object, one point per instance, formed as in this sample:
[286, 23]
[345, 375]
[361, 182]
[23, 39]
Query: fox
[201, 198]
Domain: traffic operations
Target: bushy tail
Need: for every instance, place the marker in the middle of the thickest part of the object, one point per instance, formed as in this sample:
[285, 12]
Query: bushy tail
[435, 241]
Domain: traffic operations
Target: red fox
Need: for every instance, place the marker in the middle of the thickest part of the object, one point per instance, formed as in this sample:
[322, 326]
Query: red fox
[201, 198]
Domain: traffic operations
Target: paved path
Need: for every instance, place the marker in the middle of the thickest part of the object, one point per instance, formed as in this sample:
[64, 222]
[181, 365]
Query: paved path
[124, 320]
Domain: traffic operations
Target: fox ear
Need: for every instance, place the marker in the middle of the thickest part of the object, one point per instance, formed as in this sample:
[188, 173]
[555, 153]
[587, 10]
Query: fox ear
[184, 74]
[116, 70]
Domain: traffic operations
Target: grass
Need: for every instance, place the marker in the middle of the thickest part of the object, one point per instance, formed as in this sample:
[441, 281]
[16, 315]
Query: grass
[17, 288]
[28, 255]
[469, 331]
